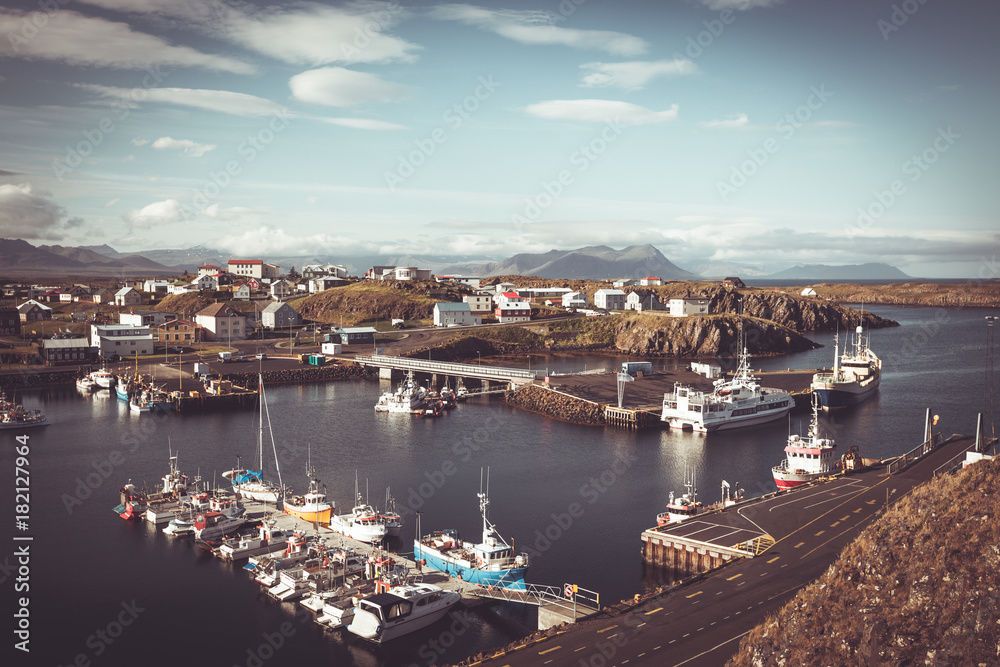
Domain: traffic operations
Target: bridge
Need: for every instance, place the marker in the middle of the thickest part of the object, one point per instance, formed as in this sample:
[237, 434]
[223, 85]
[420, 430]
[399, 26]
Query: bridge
[477, 371]
[555, 605]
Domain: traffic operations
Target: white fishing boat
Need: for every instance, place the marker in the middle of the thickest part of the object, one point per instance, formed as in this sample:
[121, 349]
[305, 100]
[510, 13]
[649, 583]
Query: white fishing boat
[103, 377]
[390, 517]
[683, 507]
[251, 483]
[16, 416]
[362, 524]
[215, 525]
[403, 609]
[735, 403]
[855, 377]
[407, 398]
[807, 457]
[86, 384]
[266, 540]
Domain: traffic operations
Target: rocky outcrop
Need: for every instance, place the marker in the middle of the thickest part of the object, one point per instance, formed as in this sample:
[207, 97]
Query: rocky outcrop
[712, 336]
[557, 405]
[794, 312]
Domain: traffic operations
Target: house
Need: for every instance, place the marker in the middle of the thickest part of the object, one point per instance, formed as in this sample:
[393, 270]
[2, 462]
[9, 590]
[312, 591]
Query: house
[52, 296]
[356, 335]
[650, 280]
[398, 273]
[809, 291]
[479, 303]
[102, 295]
[609, 299]
[641, 300]
[503, 287]
[221, 322]
[74, 293]
[154, 286]
[732, 282]
[537, 294]
[177, 332]
[324, 283]
[318, 270]
[623, 282]
[56, 351]
[209, 270]
[128, 296]
[254, 268]
[206, 283]
[10, 321]
[458, 314]
[145, 318]
[688, 305]
[509, 297]
[33, 311]
[181, 287]
[471, 281]
[279, 314]
[242, 292]
[575, 300]
[281, 289]
[513, 311]
[123, 340]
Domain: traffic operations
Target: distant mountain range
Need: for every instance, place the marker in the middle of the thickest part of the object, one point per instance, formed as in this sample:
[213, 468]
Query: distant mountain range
[873, 271]
[18, 257]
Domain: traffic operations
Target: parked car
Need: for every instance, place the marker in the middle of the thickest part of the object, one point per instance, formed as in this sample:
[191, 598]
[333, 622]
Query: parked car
[177, 348]
[261, 356]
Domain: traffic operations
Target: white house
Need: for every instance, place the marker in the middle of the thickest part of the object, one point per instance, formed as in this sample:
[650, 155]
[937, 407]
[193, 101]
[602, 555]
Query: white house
[471, 281]
[650, 280]
[279, 314]
[208, 270]
[809, 291]
[509, 297]
[317, 270]
[154, 285]
[253, 268]
[446, 314]
[145, 318]
[220, 322]
[575, 300]
[503, 287]
[324, 283]
[281, 289]
[181, 287]
[479, 303]
[623, 282]
[128, 296]
[641, 300]
[609, 299]
[242, 292]
[206, 282]
[124, 340]
[688, 305]
[513, 311]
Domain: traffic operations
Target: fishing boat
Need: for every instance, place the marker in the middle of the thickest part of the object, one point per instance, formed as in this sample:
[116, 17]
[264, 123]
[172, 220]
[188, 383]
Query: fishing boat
[407, 398]
[390, 517]
[683, 507]
[251, 483]
[266, 540]
[86, 384]
[807, 457]
[734, 403]
[491, 562]
[313, 506]
[855, 377]
[226, 515]
[133, 505]
[15, 416]
[403, 609]
[104, 378]
[362, 524]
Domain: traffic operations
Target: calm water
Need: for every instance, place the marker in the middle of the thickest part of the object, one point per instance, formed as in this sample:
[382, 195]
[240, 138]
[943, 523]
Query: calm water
[86, 563]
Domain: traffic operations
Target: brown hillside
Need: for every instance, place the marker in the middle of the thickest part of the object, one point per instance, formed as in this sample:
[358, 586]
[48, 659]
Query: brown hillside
[920, 586]
[368, 301]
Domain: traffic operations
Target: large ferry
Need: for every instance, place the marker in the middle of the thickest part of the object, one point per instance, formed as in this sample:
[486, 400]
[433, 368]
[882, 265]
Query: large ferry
[855, 377]
[808, 457]
[492, 562]
[407, 398]
[740, 401]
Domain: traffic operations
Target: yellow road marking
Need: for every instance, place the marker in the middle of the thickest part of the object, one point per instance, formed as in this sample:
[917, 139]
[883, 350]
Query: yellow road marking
[834, 524]
[549, 650]
[820, 533]
[798, 545]
[734, 576]
[693, 594]
[654, 611]
[611, 627]
[774, 559]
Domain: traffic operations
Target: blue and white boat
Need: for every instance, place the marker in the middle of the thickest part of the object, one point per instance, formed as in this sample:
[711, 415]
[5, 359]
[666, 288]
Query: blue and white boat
[855, 377]
[492, 562]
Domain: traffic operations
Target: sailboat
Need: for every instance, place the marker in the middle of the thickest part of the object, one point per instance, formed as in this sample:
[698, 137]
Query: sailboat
[250, 483]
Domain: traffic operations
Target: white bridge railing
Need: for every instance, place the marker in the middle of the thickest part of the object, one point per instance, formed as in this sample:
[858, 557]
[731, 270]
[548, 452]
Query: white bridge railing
[446, 368]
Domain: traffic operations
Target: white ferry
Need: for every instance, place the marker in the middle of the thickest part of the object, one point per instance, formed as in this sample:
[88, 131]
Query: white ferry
[855, 377]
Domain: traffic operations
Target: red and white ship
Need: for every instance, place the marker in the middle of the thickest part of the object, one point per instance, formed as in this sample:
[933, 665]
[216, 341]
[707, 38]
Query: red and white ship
[808, 457]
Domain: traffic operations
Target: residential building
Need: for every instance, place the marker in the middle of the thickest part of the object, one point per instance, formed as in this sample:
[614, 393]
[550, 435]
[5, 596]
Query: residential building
[809, 291]
[10, 322]
[74, 293]
[459, 314]
[242, 292]
[357, 335]
[181, 287]
[318, 270]
[575, 300]
[377, 272]
[623, 282]
[513, 311]
[36, 291]
[479, 303]
[471, 281]
[124, 340]
[102, 296]
[278, 315]
[732, 282]
[221, 323]
[145, 318]
[206, 283]
[688, 305]
[324, 283]
[209, 270]
[503, 287]
[506, 297]
[537, 294]
[402, 273]
[177, 332]
[254, 268]
[128, 296]
[609, 299]
[56, 351]
[640, 300]
[33, 311]
[155, 286]
[650, 280]
[281, 289]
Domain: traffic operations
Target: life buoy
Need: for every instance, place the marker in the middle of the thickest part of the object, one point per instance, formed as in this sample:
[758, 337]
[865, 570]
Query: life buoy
[479, 561]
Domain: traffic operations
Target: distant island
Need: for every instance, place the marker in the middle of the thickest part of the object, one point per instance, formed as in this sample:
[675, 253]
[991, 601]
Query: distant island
[871, 271]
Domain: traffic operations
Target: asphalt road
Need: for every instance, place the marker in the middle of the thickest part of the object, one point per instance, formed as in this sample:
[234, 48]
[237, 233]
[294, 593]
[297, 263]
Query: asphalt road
[702, 624]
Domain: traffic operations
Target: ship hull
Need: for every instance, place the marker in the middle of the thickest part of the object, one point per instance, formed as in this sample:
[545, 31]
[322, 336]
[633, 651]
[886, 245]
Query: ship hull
[839, 396]
[321, 517]
[727, 424]
[512, 578]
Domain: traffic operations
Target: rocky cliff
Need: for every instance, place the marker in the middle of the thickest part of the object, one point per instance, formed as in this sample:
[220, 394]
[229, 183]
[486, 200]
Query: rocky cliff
[712, 336]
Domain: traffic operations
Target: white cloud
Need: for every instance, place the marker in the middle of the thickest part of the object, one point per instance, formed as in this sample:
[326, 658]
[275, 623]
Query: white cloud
[634, 75]
[738, 4]
[73, 38]
[339, 87]
[831, 124]
[222, 101]
[536, 27]
[111, 203]
[139, 141]
[26, 214]
[187, 147]
[216, 212]
[265, 240]
[302, 33]
[362, 123]
[600, 111]
[741, 120]
[158, 213]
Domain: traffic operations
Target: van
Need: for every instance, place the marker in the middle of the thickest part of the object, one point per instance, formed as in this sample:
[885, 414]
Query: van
[225, 356]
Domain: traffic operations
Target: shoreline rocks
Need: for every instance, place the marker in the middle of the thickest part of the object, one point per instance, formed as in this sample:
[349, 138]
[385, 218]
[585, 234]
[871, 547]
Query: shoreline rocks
[556, 405]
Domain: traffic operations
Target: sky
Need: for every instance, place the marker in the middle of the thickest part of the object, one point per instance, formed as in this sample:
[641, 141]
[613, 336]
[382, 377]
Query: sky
[761, 133]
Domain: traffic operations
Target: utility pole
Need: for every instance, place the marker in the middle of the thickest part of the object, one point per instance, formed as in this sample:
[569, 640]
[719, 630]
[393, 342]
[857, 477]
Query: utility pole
[988, 412]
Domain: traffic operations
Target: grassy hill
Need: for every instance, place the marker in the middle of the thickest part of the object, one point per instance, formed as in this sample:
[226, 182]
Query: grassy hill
[367, 301]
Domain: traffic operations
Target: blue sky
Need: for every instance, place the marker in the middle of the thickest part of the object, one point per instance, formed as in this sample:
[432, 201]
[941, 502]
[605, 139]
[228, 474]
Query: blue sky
[755, 132]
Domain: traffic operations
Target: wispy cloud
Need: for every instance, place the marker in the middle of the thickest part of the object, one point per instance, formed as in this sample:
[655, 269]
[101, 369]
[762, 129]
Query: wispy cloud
[139, 141]
[362, 123]
[740, 121]
[738, 4]
[339, 87]
[75, 39]
[537, 28]
[187, 147]
[633, 75]
[600, 111]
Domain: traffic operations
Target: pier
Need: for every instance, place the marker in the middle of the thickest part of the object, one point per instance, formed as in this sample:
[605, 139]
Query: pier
[387, 364]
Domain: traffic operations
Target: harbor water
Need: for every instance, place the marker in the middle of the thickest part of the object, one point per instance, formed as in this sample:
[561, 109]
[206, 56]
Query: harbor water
[575, 498]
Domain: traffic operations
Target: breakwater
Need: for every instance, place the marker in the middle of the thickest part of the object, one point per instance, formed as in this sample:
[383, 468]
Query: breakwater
[557, 405]
[301, 375]
[37, 377]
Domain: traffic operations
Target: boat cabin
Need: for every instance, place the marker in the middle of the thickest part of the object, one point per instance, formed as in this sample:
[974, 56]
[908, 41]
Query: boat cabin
[813, 457]
[387, 607]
